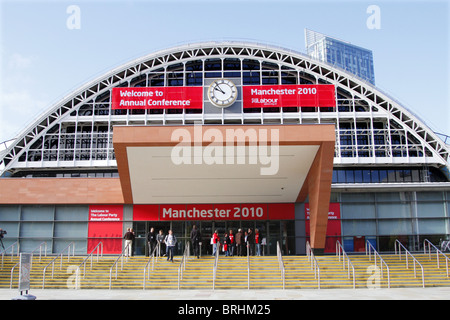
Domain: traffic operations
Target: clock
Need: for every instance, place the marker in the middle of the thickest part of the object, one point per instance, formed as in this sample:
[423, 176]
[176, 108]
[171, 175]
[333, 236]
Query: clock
[222, 93]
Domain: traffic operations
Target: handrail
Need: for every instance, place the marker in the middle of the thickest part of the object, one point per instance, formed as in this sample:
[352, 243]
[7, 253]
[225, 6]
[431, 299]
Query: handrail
[40, 251]
[90, 255]
[57, 256]
[31, 264]
[153, 256]
[182, 266]
[400, 245]
[116, 262]
[12, 251]
[447, 259]
[281, 263]
[248, 265]
[314, 263]
[216, 262]
[12, 274]
[340, 249]
[370, 247]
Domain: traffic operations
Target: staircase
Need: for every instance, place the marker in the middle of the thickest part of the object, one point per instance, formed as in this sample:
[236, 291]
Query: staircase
[232, 273]
[63, 275]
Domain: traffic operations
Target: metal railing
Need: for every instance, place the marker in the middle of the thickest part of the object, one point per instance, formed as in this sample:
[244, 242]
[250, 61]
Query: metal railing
[369, 249]
[15, 244]
[248, 265]
[153, 256]
[90, 256]
[12, 274]
[281, 264]
[398, 248]
[40, 251]
[115, 264]
[216, 262]
[339, 250]
[31, 263]
[314, 264]
[438, 252]
[59, 255]
[182, 267]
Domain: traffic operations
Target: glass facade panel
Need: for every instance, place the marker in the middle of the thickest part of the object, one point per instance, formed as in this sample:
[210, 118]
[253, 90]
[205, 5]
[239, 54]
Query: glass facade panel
[72, 213]
[71, 230]
[357, 211]
[432, 226]
[38, 213]
[393, 210]
[36, 229]
[394, 227]
[9, 213]
[359, 227]
[430, 209]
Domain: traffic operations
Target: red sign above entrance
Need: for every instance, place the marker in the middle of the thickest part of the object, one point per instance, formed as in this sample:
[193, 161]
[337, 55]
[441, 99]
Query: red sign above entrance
[289, 96]
[181, 212]
[157, 98]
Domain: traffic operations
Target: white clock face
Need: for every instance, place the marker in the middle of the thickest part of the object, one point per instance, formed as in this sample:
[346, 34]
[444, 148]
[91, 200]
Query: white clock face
[222, 93]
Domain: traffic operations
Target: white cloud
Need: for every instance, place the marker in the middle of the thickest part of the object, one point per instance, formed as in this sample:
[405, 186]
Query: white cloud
[18, 61]
[19, 102]
[17, 109]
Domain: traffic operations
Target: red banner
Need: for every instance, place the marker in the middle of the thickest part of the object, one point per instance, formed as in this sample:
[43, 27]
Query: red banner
[105, 225]
[181, 212]
[289, 96]
[333, 225]
[157, 98]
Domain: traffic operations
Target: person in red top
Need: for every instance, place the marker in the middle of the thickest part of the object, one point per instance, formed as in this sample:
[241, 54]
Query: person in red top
[225, 244]
[231, 243]
[216, 242]
[258, 242]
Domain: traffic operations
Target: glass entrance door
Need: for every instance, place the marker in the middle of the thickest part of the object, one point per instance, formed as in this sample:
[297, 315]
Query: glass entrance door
[271, 231]
[141, 229]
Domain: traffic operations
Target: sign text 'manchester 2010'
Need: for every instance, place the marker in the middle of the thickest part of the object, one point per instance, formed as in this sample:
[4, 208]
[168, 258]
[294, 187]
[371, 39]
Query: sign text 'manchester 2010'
[264, 96]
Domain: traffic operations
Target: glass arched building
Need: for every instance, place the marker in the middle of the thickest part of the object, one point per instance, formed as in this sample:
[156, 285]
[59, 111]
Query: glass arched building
[390, 171]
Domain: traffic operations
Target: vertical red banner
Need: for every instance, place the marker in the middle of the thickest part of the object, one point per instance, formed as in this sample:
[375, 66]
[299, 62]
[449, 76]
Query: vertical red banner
[333, 226]
[106, 226]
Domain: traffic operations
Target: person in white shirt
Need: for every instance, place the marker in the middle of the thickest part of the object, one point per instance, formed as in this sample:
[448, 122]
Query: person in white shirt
[170, 242]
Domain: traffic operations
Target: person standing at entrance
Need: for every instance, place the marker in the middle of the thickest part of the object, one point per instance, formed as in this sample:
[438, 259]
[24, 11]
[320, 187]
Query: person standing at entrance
[226, 242]
[216, 242]
[170, 242]
[231, 243]
[151, 240]
[250, 241]
[160, 242]
[129, 237]
[195, 239]
[239, 242]
[258, 242]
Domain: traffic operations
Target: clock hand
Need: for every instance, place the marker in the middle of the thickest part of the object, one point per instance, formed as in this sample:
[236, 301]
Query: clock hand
[219, 89]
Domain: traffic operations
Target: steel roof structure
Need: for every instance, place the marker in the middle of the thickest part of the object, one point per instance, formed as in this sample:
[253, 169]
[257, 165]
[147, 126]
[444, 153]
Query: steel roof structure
[371, 127]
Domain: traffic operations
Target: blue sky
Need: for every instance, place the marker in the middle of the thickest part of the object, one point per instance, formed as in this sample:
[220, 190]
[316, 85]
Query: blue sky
[42, 60]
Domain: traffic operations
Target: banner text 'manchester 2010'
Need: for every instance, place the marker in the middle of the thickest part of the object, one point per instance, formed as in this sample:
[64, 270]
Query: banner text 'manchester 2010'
[252, 97]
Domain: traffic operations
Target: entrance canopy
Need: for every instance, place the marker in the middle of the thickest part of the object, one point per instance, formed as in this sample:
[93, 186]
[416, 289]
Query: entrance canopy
[228, 164]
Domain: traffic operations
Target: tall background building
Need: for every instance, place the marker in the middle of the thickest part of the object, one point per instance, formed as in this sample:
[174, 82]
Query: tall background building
[345, 55]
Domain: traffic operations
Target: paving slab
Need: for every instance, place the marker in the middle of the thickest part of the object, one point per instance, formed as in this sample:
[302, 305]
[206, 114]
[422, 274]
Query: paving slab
[437, 293]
